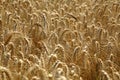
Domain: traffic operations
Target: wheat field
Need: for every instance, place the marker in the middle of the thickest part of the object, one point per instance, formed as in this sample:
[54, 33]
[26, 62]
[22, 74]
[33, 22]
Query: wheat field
[59, 39]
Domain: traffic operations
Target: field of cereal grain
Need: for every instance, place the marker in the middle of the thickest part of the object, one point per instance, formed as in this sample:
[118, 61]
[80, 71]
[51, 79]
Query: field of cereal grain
[59, 39]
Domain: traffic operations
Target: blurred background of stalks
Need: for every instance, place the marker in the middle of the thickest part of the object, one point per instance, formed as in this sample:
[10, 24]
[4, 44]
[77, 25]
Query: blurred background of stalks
[59, 39]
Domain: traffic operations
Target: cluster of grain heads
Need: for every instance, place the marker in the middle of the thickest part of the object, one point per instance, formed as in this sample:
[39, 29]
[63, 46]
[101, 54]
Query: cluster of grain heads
[54, 40]
[105, 75]
[5, 74]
